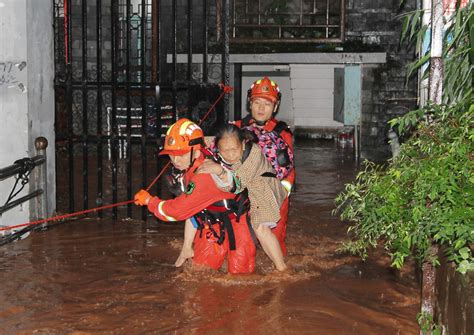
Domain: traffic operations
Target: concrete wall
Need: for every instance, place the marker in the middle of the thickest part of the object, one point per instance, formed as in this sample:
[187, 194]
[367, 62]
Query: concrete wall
[312, 88]
[26, 92]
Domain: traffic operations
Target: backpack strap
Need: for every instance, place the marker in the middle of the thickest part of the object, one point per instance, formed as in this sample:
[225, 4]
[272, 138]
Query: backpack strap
[246, 121]
[281, 126]
[248, 147]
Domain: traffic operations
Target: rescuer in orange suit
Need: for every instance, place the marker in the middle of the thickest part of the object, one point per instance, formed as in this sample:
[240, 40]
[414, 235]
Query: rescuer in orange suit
[220, 217]
[274, 138]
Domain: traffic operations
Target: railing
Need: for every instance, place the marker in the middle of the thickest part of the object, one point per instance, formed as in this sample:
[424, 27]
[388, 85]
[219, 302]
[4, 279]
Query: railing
[290, 21]
[22, 169]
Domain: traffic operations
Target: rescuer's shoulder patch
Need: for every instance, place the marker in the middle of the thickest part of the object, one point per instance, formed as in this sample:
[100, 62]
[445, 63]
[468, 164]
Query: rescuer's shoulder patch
[190, 188]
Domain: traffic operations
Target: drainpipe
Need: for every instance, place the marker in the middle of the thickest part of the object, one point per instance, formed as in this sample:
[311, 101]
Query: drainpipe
[394, 143]
[435, 91]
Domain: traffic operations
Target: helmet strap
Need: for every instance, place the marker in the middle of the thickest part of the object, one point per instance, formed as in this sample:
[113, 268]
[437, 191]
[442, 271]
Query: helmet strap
[259, 123]
[275, 109]
[191, 158]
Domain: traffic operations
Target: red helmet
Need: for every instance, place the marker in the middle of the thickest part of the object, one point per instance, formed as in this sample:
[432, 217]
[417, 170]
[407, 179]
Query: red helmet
[265, 88]
[182, 137]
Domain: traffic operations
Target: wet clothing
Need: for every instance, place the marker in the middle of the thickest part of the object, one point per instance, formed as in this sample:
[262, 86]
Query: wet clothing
[200, 194]
[280, 132]
[248, 123]
[265, 191]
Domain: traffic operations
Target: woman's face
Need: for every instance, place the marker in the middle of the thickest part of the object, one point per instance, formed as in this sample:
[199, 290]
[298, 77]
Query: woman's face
[230, 149]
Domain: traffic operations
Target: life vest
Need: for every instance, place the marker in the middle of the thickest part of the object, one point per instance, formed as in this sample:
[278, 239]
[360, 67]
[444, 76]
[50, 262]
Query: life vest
[273, 146]
[218, 216]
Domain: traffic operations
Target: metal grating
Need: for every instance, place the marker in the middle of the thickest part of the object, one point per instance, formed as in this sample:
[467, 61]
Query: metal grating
[287, 21]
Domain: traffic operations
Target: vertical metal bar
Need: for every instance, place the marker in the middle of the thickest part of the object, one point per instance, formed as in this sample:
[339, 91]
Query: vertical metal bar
[327, 18]
[70, 144]
[237, 91]
[41, 144]
[113, 21]
[301, 12]
[154, 40]
[129, 116]
[142, 101]
[99, 201]
[225, 54]
[158, 51]
[175, 55]
[190, 39]
[259, 12]
[66, 31]
[342, 20]
[234, 15]
[204, 44]
[85, 128]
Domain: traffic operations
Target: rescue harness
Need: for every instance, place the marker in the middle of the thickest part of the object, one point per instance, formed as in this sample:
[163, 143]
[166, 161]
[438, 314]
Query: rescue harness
[273, 146]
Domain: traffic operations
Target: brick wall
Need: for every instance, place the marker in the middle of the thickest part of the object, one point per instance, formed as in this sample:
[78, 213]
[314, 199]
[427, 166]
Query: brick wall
[371, 25]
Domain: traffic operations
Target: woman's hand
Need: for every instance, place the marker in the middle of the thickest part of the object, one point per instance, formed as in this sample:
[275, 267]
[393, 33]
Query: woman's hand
[209, 166]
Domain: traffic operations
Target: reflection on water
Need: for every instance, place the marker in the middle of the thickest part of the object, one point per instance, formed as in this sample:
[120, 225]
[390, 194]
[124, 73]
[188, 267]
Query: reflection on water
[92, 276]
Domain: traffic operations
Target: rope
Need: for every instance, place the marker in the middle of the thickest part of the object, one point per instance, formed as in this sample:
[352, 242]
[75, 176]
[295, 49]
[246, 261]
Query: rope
[27, 166]
[225, 90]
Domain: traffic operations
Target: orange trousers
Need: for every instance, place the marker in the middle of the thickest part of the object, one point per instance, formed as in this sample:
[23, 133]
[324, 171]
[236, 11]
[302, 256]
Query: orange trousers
[210, 254]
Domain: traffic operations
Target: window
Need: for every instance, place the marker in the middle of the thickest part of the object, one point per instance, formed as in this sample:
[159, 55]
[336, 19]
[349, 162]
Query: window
[287, 21]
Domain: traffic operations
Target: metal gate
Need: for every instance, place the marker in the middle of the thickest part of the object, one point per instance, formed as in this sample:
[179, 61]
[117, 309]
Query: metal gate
[124, 71]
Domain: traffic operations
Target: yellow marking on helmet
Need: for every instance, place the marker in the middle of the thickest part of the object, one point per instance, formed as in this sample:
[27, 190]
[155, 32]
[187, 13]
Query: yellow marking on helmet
[184, 126]
[258, 81]
[162, 212]
[169, 129]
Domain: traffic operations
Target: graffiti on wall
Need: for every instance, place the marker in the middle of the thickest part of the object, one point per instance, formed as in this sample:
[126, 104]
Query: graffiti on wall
[12, 76]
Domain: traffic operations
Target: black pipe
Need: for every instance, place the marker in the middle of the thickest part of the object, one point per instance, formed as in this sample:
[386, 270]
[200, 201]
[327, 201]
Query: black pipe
[175, 56]
[237, 91]
[205, 50]
[190, 39]
[99, 200]
[85, 125]
[114, 142]
[159, 76]
[129, 116]
[16, 168]
[143, 102]
[69, 91]
[225, 56]
[19, 201]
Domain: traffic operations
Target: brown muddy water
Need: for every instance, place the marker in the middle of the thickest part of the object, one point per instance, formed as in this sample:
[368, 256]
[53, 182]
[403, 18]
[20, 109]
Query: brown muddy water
[98, 276]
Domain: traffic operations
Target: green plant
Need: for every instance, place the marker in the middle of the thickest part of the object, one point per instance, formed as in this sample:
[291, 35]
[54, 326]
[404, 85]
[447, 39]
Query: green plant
[426, 194]
[458, 53]
[427, 326]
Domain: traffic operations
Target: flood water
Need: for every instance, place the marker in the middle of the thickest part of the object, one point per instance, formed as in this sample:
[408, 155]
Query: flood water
[98, 276]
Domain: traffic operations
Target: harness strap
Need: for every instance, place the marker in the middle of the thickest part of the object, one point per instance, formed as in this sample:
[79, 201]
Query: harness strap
[269, 174]
[248, 147]
[280, 126]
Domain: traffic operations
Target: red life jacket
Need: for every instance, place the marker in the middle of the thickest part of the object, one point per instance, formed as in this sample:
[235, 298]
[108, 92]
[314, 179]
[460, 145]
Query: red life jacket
[273, 146]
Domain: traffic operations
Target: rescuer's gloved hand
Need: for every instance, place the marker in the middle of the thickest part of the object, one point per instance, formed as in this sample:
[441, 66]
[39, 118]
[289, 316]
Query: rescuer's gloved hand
[142, 198]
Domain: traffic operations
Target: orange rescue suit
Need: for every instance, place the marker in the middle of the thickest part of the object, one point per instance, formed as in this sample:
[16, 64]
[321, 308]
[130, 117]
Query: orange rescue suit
[201, 193]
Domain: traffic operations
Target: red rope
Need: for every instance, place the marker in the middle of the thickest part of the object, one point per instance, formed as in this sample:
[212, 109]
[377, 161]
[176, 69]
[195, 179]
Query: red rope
[225, 90]
[65, 216]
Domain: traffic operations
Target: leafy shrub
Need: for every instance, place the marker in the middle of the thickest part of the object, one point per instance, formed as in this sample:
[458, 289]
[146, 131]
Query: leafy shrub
[426, 194]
